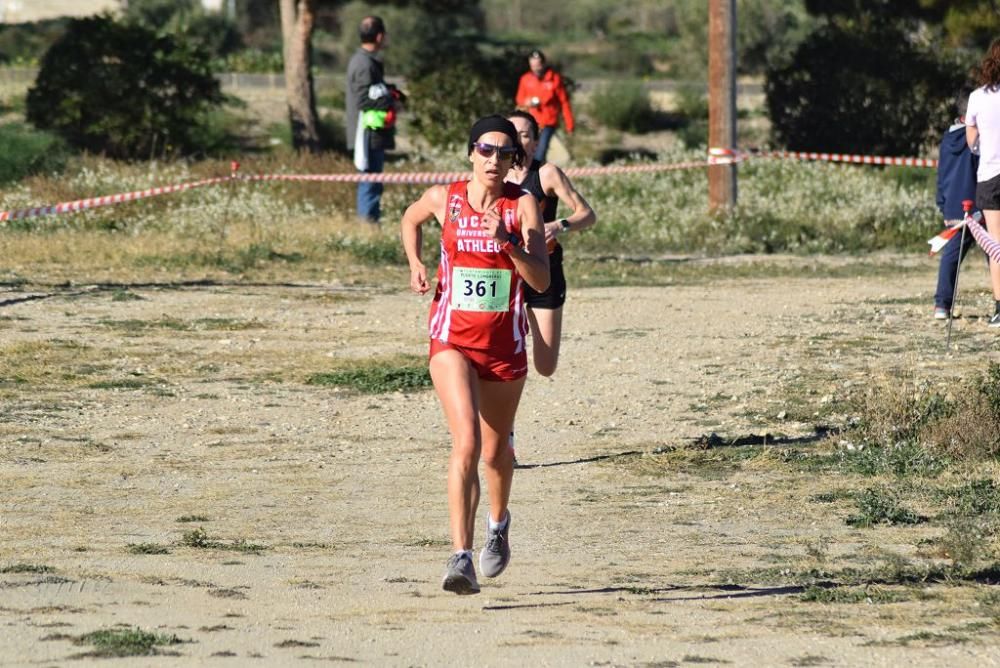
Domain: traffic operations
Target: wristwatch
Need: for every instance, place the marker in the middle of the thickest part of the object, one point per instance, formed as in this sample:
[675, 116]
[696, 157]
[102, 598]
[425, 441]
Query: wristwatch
[508, 244]
[565, 225]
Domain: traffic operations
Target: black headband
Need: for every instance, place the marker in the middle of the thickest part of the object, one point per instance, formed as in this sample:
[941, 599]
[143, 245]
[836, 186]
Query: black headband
[494, 123]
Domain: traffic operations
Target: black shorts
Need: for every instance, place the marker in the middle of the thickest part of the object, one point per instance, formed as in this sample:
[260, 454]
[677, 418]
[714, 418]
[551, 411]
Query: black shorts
[555, 295]
[988, 194]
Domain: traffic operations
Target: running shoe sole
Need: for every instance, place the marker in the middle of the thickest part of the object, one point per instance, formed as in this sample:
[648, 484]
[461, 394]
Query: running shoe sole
[460, 584]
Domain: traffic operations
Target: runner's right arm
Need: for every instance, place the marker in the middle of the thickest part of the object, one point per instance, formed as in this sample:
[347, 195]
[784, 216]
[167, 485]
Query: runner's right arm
[430, 205]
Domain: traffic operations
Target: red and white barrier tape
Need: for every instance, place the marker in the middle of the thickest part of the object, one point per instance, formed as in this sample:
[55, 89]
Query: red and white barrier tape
[717, 156]
[728, 156]
[106, 200]
[384, 177]
[990, 245]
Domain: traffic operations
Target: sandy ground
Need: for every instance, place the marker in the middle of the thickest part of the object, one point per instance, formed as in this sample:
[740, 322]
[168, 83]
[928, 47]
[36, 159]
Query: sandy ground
[612, 565]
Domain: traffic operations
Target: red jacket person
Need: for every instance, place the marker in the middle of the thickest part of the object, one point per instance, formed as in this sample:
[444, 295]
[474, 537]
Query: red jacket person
[542, 93]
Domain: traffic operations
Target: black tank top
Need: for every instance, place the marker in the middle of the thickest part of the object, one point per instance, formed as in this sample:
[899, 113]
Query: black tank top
[532, 183]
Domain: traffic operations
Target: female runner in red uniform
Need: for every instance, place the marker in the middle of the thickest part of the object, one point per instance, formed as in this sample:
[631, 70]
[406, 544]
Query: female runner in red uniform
[492, 242]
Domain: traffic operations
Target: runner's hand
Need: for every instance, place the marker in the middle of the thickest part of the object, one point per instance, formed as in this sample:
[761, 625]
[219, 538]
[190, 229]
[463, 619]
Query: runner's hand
[493, 226]
[418, 279]
[552, 230]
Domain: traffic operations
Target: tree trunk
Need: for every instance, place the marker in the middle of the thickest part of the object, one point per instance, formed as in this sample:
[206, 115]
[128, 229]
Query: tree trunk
[297, 19]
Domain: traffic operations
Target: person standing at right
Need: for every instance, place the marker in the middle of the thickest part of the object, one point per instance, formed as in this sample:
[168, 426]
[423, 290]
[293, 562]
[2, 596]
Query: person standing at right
[956, 182]
[982, 132]
[370, 113]
[541, 93]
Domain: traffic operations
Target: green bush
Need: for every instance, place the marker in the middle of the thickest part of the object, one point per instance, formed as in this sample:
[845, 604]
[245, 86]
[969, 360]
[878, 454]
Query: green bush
[423, 35]
[884, 94]
[406, 373]
[692, 107]
[445, 103]
[881, 505]
[253, 61]
[27, 152]
[212, 32]
[124, 91]
[26, 43]
[622, 105]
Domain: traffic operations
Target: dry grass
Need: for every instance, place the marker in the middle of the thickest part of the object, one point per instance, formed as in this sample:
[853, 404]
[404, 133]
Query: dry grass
[303, 250]
[53, 362]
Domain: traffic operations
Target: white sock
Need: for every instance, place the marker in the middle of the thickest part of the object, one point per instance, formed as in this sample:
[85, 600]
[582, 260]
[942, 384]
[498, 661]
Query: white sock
[494, 526]
[467, 553]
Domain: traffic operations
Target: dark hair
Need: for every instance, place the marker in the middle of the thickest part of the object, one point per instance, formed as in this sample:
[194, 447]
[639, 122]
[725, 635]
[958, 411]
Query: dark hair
[962, 100]
[517, 113]
[371, 27]
[537, 53]
[988, 71]
[497, 123]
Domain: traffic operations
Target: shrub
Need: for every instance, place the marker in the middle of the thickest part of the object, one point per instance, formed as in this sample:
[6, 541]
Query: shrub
[154, 13]
[692, 107]
[622, 105]
[884, 94]
[878, 505]
[973, 429]
[905, 427]
[898, 413]
[124, 91]
[119, 642]
[254, 61]
[424, 35]
[212, 32]
[27, 152]
[406, 373]
[28, 42]
[445, 103]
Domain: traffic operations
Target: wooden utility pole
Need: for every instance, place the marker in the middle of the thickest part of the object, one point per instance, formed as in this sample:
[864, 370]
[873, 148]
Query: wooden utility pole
[721, 99]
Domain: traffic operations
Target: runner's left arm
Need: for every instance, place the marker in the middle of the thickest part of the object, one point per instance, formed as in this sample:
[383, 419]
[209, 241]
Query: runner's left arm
[555, 182]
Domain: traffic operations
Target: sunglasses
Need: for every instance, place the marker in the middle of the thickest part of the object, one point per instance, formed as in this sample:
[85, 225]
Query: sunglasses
[505, 153]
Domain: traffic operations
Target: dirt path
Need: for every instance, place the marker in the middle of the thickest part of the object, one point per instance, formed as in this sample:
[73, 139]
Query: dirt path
[136, 422]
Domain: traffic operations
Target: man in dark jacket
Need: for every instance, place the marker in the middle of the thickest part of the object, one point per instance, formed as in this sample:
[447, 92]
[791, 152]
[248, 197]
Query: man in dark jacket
[370, 116]
[956, 181]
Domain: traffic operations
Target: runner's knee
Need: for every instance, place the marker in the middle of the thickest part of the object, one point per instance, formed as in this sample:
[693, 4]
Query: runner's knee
[499, 458]
[465, 448]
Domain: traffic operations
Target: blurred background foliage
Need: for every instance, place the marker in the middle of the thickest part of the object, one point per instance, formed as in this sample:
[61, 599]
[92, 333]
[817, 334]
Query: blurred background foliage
[839, 75]
[843, 75]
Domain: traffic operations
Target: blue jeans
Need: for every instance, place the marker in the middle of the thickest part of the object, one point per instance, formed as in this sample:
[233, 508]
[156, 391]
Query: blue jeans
[951, 257]
[370, 193]
[544, 137]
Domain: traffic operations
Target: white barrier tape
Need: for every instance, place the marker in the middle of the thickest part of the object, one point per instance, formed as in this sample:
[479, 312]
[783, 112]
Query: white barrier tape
[106, 200]
[725, 156]
[382, 177]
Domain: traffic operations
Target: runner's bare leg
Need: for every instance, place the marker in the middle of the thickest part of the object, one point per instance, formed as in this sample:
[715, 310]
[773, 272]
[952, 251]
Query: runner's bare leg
[546, 334]
[497, 407]
[457, 387]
